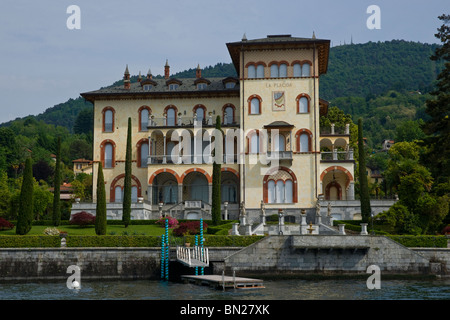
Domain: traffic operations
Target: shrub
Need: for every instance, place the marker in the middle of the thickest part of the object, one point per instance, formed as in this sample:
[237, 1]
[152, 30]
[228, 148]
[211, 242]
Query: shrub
[30, 241]
[113, 241]
[51, 231]
[173, 223]
[83, 219]
[5, 225]
[188, 228]
[446, 230]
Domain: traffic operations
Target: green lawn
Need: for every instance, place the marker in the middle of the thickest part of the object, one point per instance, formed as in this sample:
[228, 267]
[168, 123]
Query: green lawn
[148, 230]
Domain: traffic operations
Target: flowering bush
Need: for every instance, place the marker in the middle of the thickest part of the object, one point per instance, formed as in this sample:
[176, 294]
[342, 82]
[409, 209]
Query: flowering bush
[5, 225]
[446, 230]
[82, 219]
[51, 231]
[189, 228]
[173, 223]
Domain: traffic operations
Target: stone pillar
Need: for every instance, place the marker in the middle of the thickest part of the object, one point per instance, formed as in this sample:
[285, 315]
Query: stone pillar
[210, 193]
[235, 229]
[342, 229]
[225, 210]
[332, 128]
[165, 150]
[364, 229]
[347, 128]
[280, 222]
[248, 229]
[149, 194]
[351, 191]
[180, 193]
[303, 224]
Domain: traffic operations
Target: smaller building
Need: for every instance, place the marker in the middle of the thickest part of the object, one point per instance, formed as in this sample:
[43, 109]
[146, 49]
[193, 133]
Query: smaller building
[387, 144]
[82, 166]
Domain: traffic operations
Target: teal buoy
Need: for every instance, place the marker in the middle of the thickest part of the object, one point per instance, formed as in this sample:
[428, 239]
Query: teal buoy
[167, 250]
[202, 270]
[163, 253]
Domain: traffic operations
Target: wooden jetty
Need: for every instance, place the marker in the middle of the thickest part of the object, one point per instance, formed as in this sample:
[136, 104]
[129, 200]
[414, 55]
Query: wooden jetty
[224, 282]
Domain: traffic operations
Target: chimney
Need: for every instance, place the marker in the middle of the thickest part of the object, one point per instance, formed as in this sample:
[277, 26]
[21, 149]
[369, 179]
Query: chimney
[198, 72]
[167, 70]
[126, 79]
[139, 77]
[149, 74]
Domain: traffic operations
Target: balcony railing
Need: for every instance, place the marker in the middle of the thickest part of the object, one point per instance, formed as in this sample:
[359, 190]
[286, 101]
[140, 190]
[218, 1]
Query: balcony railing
[189, 159]
[332, 130]
[184, 121]
[279, 155]
[336, 155]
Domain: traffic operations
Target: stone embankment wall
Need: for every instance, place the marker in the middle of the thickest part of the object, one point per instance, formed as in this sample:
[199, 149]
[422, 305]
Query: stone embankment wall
[331, 254]
[31, 264]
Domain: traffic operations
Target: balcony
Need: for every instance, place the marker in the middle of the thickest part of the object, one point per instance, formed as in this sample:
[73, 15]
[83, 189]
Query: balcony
[180, 121]
[279, 155]
[336, 156]
[333, 130]
[190, 159]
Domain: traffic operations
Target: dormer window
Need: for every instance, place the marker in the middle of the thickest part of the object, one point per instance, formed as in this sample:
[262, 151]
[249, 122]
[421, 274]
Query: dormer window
[147, 87]
[173, 84]
[201, 86]
[230, 85]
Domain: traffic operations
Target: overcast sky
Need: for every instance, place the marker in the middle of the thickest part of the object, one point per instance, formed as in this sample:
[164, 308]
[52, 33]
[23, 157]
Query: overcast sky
[44, 63]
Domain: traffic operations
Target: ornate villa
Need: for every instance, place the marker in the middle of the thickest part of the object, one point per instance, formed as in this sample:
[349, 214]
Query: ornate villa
[271, 112]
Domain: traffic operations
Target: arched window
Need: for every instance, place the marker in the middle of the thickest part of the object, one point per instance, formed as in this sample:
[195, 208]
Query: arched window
[304, 142]
[118, 194]
[306, 70]
[271, 191]
[303, 105]
[283, 70]
[200, 112]
[260, 71]
[251, 71]
[288, 191]
[108, 119]
[254, 146]
[144, 113]
[134, 194]
[144, 154]
[297, 70]
[280, 191]
[109, 150]
[254, 105]
[274, 71]
[171, 117]
[228, 116]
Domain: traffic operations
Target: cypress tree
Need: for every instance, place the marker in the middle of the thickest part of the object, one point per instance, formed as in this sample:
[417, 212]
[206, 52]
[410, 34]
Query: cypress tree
[25, 216]
[100, 212]
[57, 184]
[126, 209]
[216, 177]
[363, 183]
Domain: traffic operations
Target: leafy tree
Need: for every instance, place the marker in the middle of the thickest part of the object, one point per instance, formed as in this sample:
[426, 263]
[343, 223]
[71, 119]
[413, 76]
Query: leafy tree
[42, 170]
[216, 181]
[5, 194]
[126, 208]
[25, 216]
[57, 186]
[363, 183]
[438, 126]
[42, 200]
[100, 212]
[409, 131]
[84, 122]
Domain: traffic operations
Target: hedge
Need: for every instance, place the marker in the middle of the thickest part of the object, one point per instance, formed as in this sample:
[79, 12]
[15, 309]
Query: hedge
[225, 240]
[420, 241]
[30, 241]
[113, 241]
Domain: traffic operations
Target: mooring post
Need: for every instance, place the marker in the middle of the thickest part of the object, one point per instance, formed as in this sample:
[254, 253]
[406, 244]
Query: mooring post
[202, 270]
[163, 253]
[195, 248]
[167, 249]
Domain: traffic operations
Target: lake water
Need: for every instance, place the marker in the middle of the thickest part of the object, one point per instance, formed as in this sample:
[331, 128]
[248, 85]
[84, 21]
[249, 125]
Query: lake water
[293, 289]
